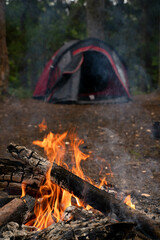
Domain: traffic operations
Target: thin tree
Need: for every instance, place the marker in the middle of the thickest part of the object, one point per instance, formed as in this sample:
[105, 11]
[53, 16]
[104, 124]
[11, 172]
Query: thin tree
[159, 63]
[95, 18]
[4, 64]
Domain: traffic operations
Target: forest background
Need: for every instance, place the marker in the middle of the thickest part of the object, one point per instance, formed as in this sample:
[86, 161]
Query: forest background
[35, 29]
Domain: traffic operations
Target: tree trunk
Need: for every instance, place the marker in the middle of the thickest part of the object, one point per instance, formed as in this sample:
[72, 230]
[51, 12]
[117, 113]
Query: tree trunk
[159, 64]
[24, 65]
[95, 19]
[4, 64]
[145, 83]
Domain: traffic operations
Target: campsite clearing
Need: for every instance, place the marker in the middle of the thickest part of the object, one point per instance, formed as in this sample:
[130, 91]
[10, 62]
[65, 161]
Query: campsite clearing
[118, 138]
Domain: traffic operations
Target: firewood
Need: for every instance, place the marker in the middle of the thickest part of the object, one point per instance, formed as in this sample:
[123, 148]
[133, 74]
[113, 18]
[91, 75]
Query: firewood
[98, 199]
[93, 229]
[16, 210]
[14, 173]
[5, 200]
[83, 229]
[78, 223]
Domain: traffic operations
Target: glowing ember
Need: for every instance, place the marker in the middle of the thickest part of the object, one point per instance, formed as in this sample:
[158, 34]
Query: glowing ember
[53, 200]
[128, 202]
[42, 126]
[103, 182]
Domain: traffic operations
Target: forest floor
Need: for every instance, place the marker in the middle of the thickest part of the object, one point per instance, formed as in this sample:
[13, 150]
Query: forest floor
[118, 138]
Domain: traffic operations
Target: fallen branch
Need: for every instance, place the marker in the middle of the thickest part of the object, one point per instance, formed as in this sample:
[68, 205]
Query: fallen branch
[98, 199]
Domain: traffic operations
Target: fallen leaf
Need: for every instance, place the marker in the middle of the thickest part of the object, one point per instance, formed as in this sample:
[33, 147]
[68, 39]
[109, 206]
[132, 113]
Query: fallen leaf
[148, 130]
[145, 195]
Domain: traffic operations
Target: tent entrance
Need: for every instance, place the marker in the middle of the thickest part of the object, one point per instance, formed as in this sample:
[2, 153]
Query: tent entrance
[95, 72]
[98, 77]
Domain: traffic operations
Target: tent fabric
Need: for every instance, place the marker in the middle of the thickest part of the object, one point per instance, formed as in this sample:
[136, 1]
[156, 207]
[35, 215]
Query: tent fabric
[84, 71]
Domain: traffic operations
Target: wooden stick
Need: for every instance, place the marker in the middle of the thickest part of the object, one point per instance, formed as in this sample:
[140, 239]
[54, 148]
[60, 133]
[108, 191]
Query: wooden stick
[98, 199]
[16, 210]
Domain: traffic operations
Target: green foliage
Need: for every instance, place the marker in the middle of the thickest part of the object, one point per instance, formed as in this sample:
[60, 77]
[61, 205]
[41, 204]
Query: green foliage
[76, 27]
[20, 92]
[37, 28]
[132, 29]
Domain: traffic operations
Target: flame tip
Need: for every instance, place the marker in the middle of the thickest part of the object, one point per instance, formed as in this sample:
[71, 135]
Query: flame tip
[128, 201]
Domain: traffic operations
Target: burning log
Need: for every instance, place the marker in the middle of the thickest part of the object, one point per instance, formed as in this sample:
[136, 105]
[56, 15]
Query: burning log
[16, 210]
[98, 199]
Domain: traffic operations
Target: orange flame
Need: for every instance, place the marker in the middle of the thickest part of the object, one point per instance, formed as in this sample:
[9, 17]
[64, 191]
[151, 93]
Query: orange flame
[23, 189]
[42, 126]
[78, 156]
[103, 182]
[53, 200]
[128, 202]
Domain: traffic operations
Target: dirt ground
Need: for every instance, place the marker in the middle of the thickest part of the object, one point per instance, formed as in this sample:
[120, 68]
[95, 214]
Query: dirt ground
[118, 138]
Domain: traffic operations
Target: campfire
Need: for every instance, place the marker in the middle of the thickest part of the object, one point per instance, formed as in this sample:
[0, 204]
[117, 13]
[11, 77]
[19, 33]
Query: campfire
[58, 197]
[52, 199]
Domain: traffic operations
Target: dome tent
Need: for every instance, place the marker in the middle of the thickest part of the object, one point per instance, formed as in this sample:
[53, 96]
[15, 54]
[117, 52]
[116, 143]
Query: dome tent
[84, 71]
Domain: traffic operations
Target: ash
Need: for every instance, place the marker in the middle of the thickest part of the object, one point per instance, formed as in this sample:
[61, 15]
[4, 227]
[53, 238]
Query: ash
[77, 224]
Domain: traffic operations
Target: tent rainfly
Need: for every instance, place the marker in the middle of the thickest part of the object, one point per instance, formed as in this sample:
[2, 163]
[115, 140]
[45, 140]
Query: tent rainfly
[84, 71]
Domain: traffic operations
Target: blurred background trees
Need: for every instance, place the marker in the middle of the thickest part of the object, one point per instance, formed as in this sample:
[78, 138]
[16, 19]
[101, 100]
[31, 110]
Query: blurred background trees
[4, 65]
[95, 11]
[37, 28]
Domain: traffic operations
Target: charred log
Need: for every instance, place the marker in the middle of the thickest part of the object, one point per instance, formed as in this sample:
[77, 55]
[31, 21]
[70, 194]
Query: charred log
[98, 199]
[14, 173]
[84, 230]
[95, 229]
[16, 210]
[5, 200]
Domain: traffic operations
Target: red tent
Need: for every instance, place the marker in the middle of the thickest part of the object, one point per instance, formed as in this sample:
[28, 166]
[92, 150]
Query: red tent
[86, 71]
